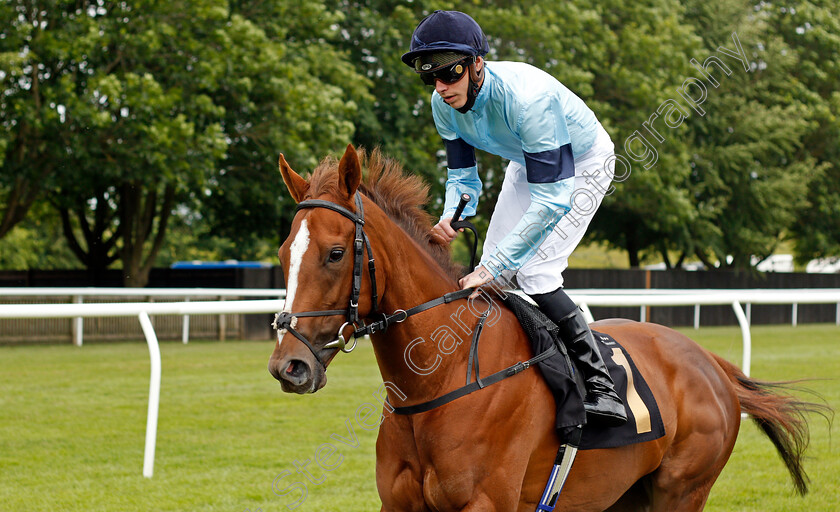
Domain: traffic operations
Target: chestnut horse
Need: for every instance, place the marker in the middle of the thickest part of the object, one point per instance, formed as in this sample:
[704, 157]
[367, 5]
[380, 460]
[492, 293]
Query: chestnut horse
[491, 450]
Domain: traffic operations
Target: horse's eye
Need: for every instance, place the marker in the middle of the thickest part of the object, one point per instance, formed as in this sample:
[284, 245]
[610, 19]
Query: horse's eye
[336, 255]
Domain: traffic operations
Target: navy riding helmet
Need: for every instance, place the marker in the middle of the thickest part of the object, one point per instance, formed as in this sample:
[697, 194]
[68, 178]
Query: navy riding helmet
[446, 31]
[442, 39]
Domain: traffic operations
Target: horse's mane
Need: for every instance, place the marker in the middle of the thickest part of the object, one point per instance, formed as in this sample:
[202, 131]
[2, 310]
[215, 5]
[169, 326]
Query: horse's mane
[401, 196]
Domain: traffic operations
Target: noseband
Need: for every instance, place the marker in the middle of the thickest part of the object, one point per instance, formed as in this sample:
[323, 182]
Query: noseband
[286, 320]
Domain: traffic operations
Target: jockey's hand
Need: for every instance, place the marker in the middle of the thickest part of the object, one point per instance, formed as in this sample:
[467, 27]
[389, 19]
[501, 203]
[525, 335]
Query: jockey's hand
[476, 278]
[444, 231]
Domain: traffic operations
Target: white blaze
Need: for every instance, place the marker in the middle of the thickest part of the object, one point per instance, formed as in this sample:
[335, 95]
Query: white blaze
[299, 246]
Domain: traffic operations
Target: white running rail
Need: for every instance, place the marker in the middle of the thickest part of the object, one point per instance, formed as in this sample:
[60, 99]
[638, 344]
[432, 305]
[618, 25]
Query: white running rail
[142, 310]
[78, 295]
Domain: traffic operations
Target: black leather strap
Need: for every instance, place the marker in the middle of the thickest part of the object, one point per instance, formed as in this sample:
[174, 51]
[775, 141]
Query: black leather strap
[465, 224]
[329, 205]
[401, 315]
[303, 339]
[283, 320]
[360, 244]
[473, 358]
[374, 299]
[358, 253]
[510, 371]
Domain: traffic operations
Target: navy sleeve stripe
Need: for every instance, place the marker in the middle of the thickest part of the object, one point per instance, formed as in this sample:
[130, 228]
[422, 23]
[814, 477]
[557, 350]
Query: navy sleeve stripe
[459, 154]
[550, 166]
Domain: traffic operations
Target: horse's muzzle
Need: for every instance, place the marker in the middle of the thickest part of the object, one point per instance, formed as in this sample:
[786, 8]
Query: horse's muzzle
[297, 375]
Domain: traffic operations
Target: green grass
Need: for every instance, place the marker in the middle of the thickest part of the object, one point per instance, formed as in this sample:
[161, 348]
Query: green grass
[755, 479]
[72, 426]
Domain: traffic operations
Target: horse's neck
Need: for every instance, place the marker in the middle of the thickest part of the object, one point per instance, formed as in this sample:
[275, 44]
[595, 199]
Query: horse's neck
[406, 353]
[412, 276]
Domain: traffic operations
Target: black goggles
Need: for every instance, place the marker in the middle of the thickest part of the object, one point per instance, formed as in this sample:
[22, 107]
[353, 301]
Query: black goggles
[448, 74]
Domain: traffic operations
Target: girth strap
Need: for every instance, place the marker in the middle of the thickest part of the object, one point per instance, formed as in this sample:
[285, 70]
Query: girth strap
[472, 362]
[470, 387]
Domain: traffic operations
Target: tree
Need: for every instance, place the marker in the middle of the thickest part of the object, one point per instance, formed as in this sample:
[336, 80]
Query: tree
[139, 129]
[36, 242]
[395, 115]
[811, 29]
[153, 106]
[132, 116]
[26, 120]
[750, 174]
[614, 55]
[288, 90]
[117, 133]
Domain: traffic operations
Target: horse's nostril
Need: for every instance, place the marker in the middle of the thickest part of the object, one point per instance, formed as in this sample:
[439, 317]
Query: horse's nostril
[296, 371]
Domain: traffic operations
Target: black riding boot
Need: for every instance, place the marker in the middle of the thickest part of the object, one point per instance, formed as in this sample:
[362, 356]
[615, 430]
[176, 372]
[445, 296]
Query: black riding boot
[602, 404]
[601, 399]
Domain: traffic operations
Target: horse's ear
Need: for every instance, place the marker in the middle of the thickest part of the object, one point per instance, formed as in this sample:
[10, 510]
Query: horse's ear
[349, 171]
[297, 186]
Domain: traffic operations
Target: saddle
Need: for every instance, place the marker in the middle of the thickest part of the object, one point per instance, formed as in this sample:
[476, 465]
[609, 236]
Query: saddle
[566, 384]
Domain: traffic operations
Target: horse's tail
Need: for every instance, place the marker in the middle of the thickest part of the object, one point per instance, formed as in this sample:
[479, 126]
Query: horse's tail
[781, 416]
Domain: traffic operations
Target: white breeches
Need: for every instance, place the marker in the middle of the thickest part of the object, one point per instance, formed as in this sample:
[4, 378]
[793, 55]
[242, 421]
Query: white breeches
[543, 272]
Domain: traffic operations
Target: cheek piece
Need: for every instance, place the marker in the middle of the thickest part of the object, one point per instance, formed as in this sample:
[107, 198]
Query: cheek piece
[473, 89]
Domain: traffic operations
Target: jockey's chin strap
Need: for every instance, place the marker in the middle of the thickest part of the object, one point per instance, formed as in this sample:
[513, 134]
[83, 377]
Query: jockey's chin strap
[286, 320]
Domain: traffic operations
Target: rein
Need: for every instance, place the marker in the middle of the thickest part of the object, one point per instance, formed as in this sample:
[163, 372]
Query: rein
[286, 320]
[479, 383]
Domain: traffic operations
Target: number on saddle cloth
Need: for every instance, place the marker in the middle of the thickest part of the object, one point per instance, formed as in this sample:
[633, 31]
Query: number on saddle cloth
[644, 422]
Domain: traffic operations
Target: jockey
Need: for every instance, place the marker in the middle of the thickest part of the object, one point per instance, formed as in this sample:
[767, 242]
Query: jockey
[558, 153]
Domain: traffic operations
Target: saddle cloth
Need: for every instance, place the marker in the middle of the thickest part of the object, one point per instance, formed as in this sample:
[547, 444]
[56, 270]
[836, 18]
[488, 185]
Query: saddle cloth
[644, 420]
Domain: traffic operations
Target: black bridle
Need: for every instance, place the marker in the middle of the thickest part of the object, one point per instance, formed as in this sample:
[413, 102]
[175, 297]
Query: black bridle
[287, 320]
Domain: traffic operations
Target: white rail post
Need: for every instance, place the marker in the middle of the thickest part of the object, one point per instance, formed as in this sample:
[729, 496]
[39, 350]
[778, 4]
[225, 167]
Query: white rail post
[222, 323]
[185, 329]
[793, 314]
[745, 336]
[78, 324]
[642, 313]
[154, 394]
[837, 315]
[697, 316]
[749, 313]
